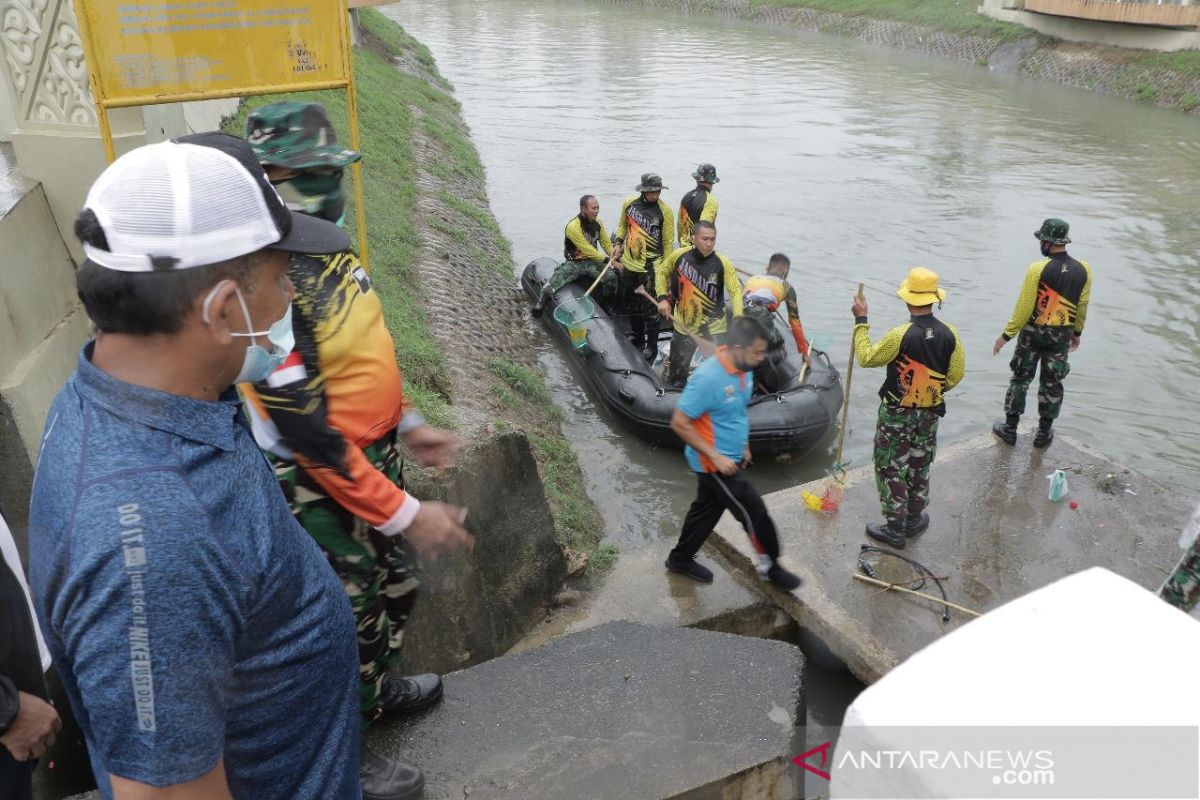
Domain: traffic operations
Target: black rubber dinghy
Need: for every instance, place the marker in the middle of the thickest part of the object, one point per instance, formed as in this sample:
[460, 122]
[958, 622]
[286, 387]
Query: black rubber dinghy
[791, 420]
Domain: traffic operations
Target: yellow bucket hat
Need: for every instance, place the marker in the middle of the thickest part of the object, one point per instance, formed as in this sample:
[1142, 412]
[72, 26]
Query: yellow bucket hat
[920, 288]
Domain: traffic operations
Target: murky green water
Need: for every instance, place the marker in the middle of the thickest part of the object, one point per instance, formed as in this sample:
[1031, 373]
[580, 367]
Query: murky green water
[859, 162]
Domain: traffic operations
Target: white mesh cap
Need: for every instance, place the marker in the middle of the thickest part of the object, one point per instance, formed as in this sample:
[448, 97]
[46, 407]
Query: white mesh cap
[194, 201]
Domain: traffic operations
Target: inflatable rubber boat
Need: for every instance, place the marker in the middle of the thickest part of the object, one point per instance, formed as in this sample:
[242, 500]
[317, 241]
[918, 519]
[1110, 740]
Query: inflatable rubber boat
[791, 420]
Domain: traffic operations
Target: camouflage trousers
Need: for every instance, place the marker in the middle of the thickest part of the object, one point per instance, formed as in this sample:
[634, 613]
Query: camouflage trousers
[905, 445]
[378, 571]
[762, 316]
[1049, 347]
[1182, 589]
[570, 271]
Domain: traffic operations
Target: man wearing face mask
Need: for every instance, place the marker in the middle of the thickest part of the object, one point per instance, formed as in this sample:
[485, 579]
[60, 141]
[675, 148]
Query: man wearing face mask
[1048, 321]
[712, 421]
[207, 648]
[332, 420]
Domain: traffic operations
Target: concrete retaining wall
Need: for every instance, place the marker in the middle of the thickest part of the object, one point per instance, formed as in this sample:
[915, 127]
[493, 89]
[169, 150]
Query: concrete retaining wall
[1137, 37]
[42, 327]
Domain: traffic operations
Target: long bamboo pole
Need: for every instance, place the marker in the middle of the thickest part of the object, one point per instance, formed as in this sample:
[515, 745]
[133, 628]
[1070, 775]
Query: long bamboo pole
[858, 576]
[837, 460]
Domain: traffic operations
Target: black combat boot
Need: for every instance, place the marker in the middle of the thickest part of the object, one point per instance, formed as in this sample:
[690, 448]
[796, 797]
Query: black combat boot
[1007, 430]
[389, 779]
[888, 533]
[1045, 434]
[540, 306]
[916, 524]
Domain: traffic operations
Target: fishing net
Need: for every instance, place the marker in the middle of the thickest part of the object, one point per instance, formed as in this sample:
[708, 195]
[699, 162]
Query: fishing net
[573, 315]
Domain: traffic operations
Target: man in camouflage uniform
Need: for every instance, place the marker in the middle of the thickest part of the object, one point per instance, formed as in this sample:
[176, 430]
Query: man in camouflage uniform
[586, 247]
[924, 359]
[1049, 316]
[1182, 588]
[331, 420]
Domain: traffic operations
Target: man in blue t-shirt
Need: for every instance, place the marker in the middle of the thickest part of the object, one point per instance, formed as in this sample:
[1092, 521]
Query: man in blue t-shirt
[711, 420]
[206, 646]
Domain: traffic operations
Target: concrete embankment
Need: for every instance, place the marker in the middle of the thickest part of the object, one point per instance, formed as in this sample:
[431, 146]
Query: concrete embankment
[1170, 80]
[994, 537]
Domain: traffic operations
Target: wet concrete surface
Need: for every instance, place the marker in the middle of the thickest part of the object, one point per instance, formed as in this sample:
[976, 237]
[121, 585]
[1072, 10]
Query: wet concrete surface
[13, 185]
[994, 535]
[620, 710]
[639, 589]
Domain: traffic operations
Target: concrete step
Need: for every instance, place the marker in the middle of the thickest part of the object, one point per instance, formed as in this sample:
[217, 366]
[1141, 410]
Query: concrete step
[622, 710]
[994, 534]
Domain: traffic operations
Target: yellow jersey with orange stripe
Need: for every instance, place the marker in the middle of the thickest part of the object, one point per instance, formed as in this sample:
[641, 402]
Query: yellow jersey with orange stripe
[1055, 294]
[924, 359]
[698, 205]
[338, 392]
[647, 231]
[769, 291]
[696, 287]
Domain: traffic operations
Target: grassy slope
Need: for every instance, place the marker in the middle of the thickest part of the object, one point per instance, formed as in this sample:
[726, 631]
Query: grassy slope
[385, 95]
[960, 16]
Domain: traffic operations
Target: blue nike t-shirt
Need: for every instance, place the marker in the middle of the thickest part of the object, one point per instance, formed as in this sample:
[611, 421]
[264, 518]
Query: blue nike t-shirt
[190, 617]
[715, 398]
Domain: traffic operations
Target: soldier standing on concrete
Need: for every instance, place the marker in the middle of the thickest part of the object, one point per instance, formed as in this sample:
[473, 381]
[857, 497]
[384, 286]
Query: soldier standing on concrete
[924, 359]
[332, 419]
[698, 204]
[1182, 587]
[645, 235]
[1049, 316]
[586, 248]
[711, 420]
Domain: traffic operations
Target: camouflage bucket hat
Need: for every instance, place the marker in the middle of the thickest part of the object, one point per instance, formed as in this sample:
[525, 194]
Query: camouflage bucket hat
[297, 136]
[1054, 231]
[650, 183]
[706, 173]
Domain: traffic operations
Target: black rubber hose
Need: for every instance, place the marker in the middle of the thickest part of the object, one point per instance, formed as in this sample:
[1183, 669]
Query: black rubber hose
[923, 571]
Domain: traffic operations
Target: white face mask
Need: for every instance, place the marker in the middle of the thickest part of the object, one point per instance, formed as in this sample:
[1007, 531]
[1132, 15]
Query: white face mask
[258, 363]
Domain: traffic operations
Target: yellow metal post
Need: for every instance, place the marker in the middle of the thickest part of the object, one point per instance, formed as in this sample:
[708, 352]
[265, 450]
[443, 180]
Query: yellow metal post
[360, 203]
[110, 150]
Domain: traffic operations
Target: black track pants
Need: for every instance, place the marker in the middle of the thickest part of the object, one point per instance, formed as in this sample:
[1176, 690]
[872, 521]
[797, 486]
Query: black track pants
[715, 494]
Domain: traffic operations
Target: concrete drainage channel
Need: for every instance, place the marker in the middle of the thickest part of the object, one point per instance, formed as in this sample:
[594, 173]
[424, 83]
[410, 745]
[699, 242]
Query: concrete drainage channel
[644, 686]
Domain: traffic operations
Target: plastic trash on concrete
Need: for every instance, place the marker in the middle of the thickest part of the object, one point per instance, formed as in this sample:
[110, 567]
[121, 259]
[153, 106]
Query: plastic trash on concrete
[1058, 485]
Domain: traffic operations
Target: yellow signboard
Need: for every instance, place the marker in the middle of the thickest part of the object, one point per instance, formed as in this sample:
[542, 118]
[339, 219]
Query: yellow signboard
[145, 52]
[155, 51]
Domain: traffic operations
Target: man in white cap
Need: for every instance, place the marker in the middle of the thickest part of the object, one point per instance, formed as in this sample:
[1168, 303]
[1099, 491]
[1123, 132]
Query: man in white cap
[207, 648]
[924, 359]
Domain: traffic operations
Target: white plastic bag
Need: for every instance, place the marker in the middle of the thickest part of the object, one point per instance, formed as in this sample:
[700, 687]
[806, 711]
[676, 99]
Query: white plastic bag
[1058, 485]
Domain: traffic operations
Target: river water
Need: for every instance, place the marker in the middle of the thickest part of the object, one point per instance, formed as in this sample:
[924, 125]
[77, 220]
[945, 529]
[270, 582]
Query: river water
[859, 162]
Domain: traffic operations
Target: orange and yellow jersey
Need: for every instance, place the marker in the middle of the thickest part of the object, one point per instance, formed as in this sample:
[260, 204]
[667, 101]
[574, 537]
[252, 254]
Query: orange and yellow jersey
[1055, 294]
[769, 291]
[583, 240]
[696, 285]
[647, 231]
[338, 392]
[697, 205]
[924, 359]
